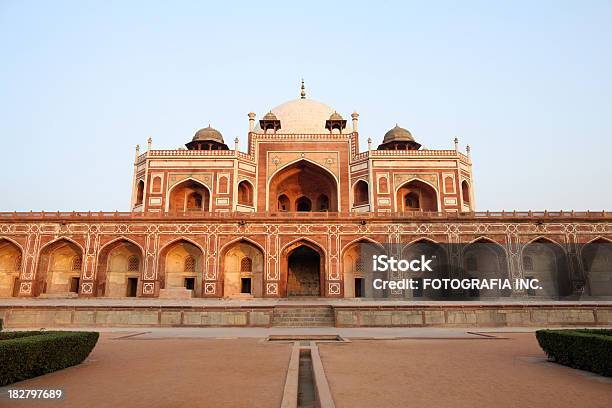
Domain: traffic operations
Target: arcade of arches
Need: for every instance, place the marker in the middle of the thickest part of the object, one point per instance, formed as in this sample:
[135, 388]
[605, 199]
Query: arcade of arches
[120, 268]
[303, 186]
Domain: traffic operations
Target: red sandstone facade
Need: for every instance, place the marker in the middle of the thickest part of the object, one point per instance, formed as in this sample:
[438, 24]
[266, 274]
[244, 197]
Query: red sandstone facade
[285, 218]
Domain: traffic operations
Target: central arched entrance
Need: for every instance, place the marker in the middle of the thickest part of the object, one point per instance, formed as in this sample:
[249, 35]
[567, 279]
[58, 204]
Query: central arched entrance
[304, 268]
[303, 186]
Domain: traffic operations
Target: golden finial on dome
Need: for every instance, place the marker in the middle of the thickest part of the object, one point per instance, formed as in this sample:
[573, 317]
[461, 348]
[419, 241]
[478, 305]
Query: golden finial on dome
[303, 93]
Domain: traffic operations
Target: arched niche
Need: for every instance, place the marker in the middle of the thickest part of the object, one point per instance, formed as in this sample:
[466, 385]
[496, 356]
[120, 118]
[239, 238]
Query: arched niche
[243, 269]
[189, 196]
[439, 265]
[465, 192]
[484, 259]
[358, 276]
[546, 261]
[181, 265]
[416, 195]
[60, 266]
[245, 193]
[361, 195]
[139, 192]
[120, 268]
[597, 264]
[11, 260]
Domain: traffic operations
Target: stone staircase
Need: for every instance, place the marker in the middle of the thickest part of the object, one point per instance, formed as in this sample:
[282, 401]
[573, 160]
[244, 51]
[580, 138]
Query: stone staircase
[303, 316]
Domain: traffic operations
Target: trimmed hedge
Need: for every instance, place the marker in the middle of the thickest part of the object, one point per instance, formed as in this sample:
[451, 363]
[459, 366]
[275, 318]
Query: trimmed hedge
[586, 349]
[29, 354]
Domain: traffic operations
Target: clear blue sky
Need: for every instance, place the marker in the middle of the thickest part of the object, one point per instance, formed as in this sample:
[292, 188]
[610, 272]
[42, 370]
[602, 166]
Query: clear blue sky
[527, 84]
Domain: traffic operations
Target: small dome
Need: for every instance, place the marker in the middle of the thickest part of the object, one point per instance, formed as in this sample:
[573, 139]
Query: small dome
[208, 133]
[270, 116]
[336, 116]
[398, 134]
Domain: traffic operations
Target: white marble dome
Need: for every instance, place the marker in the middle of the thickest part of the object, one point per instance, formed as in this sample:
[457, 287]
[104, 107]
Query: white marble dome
[303, 116]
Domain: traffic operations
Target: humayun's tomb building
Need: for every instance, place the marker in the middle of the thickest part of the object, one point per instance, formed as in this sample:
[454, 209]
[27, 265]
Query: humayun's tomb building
[287, 216]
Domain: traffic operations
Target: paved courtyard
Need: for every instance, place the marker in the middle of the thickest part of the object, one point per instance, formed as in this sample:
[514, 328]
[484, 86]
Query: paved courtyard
[510, 372]
[422, 367]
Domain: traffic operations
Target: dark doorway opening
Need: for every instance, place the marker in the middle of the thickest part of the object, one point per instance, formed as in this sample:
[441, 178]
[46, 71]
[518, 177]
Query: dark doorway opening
[359, 287]
[303, 204]
[132, 285]
[303, 274]
[190, 283]
[74, 284]
[245, 285]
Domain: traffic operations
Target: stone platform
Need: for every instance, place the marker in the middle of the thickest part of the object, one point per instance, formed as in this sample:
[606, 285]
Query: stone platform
[43, 313]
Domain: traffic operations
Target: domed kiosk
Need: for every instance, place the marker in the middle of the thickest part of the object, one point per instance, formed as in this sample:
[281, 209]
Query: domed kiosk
[399, 138]
[207, 138]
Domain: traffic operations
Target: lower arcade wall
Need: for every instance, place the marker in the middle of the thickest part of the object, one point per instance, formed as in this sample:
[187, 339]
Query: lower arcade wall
[217, 257]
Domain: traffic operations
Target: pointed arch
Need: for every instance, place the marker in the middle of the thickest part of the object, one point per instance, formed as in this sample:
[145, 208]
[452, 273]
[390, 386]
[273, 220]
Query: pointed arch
[302, 177]
[140, 189]
[173, 201]
[356, 268]
[436, 193]
[438, 255]
[361, 192]
[543, 238]
[121, 238]
[303, 268]
[172, 275]
[599, 238]
[366, 239]
[120, 268]
[68, 239]
[175, 240]
[487, 240]
[466, 191]
[550, 267]
[227, 245]
[596, 260]
[421, 239]
[306, 240]
[245, 193]
[236, 280]
[484, 258]
[11, 240]
[54, 272]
